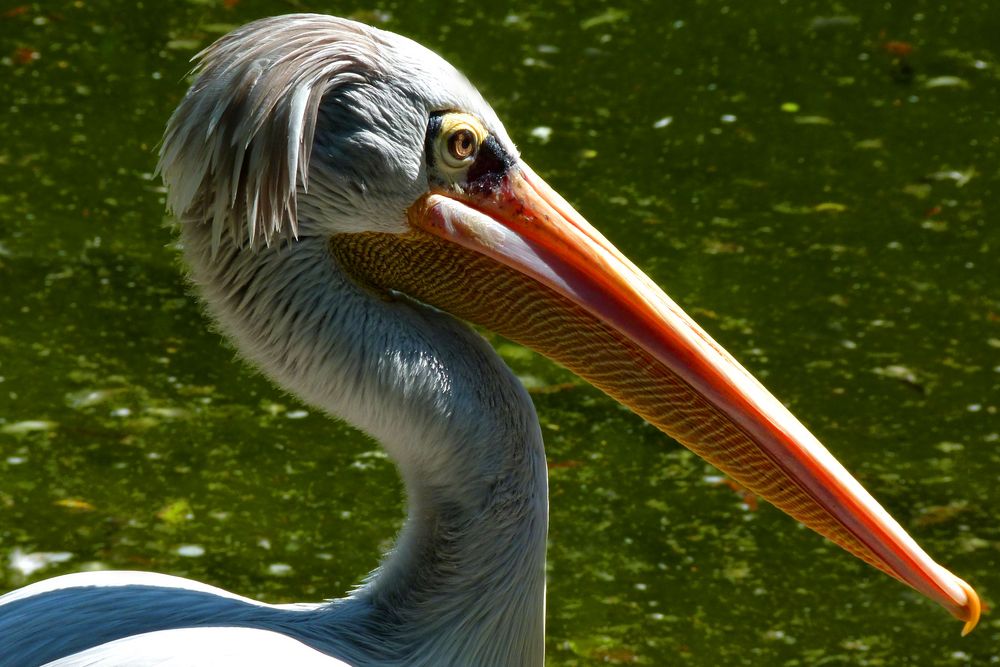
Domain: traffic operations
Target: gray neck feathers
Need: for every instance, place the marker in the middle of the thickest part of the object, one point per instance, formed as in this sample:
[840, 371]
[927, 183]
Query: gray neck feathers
[294, 131]
[467, 575]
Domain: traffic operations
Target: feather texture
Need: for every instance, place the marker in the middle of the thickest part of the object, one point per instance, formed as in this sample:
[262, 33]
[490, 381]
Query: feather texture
[238, 146]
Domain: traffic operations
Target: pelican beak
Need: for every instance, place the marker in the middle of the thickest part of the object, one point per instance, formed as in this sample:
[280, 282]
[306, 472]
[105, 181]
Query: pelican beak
[516, 258]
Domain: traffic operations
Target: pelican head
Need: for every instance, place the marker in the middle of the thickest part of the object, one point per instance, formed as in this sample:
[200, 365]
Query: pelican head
[333, 180]
[316, 126]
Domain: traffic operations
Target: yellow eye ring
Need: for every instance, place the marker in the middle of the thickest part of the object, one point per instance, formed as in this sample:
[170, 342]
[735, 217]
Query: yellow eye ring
[459, 140]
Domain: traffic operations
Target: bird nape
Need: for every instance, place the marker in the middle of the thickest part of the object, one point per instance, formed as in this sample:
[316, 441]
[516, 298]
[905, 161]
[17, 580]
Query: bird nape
[346, 203]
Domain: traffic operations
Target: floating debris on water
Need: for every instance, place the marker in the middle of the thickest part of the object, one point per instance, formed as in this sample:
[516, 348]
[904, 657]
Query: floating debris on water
[191, 550]
[610, 16]
[898, 48]
[542, 133]
[960, 178]
[272, 408]
[75, 504]
[946, 82]
[869, 144]
[27, 426]
[28, 563]
[368, 460]
[829, 207]
[903, 374]
[813, 120]
[89, 397]
[166, 413]
[176, 512]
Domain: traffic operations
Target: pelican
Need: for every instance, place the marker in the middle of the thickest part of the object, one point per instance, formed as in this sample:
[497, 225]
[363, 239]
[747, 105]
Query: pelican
[347, 204]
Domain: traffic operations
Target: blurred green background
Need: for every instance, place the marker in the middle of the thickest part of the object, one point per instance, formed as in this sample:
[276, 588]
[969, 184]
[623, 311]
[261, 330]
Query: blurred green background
[815, 182]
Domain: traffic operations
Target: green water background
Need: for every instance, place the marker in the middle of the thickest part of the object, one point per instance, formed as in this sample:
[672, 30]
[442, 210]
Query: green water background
[816, 182]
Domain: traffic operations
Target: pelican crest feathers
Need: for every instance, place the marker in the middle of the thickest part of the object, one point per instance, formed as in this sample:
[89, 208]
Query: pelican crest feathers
[238, 146]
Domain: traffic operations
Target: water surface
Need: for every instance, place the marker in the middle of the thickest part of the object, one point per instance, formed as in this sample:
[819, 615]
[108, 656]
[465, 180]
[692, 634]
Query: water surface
[816, 182]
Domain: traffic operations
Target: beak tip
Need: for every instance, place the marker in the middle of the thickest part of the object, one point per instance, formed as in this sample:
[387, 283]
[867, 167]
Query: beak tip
[971, 610]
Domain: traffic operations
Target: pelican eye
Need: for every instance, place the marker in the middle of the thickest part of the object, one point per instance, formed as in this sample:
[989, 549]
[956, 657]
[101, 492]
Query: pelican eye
[459, 138]
[462, 144]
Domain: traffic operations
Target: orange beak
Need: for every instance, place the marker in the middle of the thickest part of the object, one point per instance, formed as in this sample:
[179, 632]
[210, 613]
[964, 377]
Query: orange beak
[518, 259]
